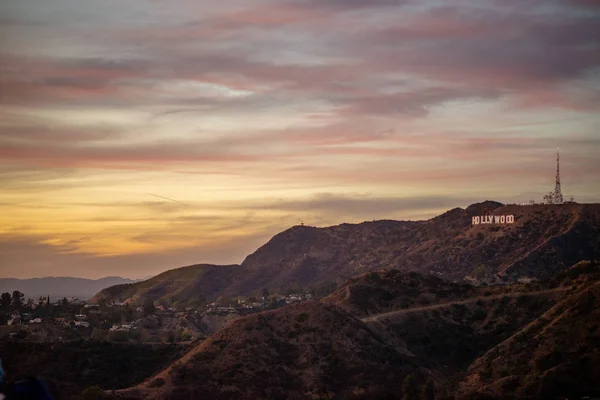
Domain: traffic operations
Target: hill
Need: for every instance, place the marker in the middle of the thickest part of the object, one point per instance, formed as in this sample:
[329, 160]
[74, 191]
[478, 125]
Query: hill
[445, 325]
[180, 285]
[543, 240]
[387, 290]
[60, 287]
[70, 367]
[308, 350]
[555, 356]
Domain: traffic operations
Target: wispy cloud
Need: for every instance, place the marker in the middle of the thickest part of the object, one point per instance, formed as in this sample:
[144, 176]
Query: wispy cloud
[167, 133]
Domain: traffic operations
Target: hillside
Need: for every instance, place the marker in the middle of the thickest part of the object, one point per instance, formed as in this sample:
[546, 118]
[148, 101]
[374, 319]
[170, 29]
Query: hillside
[387, 290]
[180, 285]
[70, 367]
[445, 325]
[60, 287]
[543, 240]
[314, 348]
[557, 355]
[308, 350]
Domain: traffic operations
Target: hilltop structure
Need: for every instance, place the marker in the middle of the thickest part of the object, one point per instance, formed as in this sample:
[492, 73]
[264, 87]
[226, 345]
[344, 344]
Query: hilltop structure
[555, 197]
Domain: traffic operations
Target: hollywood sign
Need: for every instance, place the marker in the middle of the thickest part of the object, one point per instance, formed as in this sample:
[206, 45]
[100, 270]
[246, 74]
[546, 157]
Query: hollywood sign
[493, 219]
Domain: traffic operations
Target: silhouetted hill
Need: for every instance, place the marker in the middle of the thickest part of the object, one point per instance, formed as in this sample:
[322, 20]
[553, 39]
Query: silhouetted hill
[543, 240]
[304, 350]
[59, 287]
[70, 367]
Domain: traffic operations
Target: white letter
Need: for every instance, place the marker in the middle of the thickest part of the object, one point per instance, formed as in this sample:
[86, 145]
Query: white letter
[497, 218]
[502, 219]
[510, 219]
[475, 220]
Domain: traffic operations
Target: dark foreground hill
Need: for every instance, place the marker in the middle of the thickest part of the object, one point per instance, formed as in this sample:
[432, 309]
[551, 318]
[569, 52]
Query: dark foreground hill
[543, 240]
[555, 356]
[445, 325]
[70, 367]
[308, 350]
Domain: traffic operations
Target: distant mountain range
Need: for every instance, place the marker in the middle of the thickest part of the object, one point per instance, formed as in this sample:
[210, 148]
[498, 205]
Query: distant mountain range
[59, 287]
[543, 240]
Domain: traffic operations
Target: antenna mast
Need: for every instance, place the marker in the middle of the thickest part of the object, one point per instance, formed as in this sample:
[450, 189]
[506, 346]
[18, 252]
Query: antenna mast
[558, 197]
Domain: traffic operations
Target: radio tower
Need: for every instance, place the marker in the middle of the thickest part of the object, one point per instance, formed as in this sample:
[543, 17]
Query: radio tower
[558, 197]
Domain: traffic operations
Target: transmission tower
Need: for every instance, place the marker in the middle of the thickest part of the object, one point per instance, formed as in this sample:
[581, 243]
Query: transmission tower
[558, 197]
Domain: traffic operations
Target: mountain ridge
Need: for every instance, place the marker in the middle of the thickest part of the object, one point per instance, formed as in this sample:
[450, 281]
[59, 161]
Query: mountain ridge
[61, 286]
[542, 240]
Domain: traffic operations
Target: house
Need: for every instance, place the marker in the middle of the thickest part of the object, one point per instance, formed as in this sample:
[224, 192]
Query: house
[91, 306]
[36, 321]
[121, 328]
[80, 317]
[82, 324]
[293, 298]
[15, 318]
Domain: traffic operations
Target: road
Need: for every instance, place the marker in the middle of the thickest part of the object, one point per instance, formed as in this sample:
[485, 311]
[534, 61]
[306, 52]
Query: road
[379, 317]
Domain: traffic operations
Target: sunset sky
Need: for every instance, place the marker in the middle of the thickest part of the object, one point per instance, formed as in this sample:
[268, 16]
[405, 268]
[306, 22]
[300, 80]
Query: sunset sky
[142, 135]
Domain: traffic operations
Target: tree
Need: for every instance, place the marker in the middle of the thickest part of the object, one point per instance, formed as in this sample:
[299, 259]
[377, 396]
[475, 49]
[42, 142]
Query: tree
[429, 391]
[185, 335]
[17, 299]
[5, 300]
[65, 302]
[410, 390]
[149, 307]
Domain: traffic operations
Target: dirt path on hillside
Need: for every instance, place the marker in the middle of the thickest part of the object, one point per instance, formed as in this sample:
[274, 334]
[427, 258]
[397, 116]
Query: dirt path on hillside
[378, 317]
[143, 390]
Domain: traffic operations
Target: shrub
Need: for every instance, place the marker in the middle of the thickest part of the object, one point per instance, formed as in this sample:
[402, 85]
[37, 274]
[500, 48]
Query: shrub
[302, 317]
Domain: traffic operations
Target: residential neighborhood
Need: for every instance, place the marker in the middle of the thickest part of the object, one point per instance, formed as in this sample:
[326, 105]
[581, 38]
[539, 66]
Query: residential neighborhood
[154, 321]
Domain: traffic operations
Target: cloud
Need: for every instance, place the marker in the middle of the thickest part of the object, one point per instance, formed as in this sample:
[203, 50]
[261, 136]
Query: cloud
[226, 106]
[34, 258]
[332, 205]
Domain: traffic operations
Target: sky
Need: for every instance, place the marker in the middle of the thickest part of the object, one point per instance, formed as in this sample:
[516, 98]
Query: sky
[142, 135]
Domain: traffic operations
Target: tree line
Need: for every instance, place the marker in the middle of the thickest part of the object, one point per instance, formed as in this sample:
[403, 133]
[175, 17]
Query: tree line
[12, 302]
